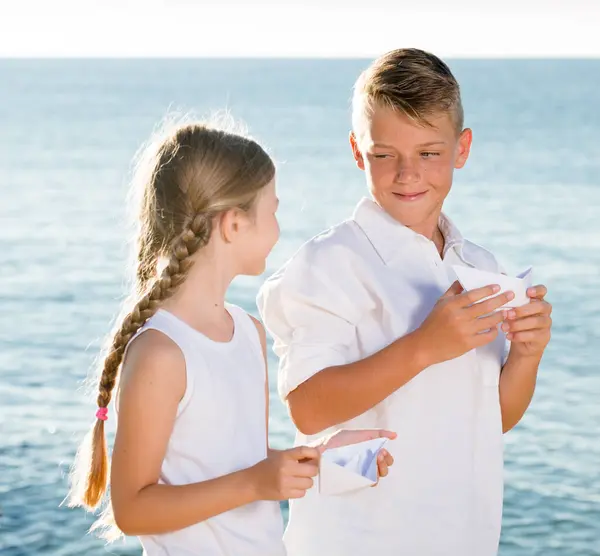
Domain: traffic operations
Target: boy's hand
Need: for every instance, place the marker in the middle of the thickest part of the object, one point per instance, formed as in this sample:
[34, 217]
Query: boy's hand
[458, 323]
[528, 327]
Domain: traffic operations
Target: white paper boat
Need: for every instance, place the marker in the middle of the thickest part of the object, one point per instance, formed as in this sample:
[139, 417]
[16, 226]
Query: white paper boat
[471, 278]
[349, 468]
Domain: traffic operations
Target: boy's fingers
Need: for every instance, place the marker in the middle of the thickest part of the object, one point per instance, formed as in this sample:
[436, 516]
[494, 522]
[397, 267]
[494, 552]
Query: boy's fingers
[531, 336]
[535, 307]
[527, 323]
[537, 292]
[473, 296]
[489, 305]
[485, 337]
[453, 290]
[487, 323]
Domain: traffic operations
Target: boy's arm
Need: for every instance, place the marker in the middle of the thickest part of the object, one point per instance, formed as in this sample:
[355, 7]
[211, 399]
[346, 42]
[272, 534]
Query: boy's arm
[311, 321]
[340, 393]
[517, 384]
[528, 328]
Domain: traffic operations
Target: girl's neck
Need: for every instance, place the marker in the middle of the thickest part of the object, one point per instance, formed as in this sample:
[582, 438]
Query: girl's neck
[200, 299]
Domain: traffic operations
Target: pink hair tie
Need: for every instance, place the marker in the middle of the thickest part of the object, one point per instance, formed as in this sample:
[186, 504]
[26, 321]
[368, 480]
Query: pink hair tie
[102, 413]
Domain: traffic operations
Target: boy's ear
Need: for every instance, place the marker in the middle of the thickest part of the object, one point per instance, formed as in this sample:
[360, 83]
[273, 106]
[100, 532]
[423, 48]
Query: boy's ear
[356, 151]
[464, 148]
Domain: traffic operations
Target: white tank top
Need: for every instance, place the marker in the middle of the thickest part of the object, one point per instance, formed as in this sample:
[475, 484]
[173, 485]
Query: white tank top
[220, 428]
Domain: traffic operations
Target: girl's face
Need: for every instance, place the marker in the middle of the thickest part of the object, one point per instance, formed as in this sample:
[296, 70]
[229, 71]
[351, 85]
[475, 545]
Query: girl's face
[259, 232]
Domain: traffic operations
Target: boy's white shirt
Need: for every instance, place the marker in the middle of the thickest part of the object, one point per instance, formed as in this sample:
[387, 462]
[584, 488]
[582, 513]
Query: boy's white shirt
[345, 295]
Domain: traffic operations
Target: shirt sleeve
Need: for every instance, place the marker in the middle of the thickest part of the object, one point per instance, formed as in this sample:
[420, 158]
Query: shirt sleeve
[311, 318]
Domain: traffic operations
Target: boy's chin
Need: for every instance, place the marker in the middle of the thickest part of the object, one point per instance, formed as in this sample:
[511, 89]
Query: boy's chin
[408, 215]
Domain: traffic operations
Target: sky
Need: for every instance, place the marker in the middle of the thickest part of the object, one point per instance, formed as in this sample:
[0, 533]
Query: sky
[309, 28]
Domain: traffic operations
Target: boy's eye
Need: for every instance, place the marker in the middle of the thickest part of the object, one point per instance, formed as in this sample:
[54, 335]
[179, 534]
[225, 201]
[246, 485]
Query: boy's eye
[381, 155]
[429, 154]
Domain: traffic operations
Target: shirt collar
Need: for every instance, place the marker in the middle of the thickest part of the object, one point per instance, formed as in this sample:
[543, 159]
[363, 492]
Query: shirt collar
[453, 239]
[385, 233]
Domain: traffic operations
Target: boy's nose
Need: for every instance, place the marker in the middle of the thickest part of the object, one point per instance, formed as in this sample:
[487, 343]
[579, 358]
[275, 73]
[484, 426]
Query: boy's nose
[407, 173]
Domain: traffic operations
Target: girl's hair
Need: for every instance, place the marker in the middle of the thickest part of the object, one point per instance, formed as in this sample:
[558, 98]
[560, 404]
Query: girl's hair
[185, 180]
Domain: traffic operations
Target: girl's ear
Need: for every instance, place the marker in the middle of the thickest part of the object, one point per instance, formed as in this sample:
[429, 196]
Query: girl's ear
[230, 223]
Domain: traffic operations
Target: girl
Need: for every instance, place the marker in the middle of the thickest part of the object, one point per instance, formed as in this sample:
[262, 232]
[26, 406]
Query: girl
[192, 472]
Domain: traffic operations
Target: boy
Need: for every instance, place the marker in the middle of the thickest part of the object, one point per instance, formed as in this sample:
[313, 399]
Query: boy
[373, 330]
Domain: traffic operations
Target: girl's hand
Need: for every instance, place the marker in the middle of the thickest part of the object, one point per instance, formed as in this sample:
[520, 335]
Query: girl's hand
[286, 474]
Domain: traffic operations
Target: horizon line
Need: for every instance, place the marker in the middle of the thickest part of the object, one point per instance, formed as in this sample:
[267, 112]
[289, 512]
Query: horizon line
[150, 57]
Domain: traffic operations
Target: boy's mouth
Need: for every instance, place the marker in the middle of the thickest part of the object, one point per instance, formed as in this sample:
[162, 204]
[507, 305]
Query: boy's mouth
[409, 197]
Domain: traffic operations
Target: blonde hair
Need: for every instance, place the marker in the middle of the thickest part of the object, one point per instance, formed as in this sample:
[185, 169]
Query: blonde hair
[185, 179]
[410, 81]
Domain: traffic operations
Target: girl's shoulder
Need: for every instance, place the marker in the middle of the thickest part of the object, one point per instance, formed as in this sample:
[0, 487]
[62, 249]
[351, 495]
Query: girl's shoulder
[247, 321]
[154, 363]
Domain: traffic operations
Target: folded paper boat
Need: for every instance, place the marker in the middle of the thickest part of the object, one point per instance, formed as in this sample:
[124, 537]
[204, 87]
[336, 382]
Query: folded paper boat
[472, 278]
[350, 468]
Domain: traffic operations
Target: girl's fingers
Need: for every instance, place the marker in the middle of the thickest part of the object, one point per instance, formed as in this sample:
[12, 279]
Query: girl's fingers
[295, 493]
[302, 483]
[307, 469]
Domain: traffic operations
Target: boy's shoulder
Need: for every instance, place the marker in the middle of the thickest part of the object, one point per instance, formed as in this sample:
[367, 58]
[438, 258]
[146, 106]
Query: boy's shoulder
[322, 258]
[326, 247]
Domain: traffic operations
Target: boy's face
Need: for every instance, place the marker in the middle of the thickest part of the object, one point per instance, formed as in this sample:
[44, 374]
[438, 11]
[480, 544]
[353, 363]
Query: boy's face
[409, 168]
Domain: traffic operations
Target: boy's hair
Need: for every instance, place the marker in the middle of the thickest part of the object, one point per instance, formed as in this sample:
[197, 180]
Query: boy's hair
[410, 81]
[184, 180]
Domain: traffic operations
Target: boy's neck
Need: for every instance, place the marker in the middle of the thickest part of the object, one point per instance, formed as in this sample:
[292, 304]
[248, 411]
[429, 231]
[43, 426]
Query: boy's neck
[433, 233]
[439, 241]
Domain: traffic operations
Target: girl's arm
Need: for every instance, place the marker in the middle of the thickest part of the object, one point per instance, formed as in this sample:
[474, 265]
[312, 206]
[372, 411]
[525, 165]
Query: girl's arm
[263, 343]
[153, 384]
